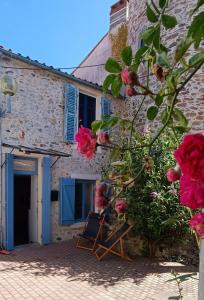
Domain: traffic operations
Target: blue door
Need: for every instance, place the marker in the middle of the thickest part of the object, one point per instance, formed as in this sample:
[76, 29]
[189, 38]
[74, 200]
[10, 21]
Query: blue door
[46, 206]
[9, 242]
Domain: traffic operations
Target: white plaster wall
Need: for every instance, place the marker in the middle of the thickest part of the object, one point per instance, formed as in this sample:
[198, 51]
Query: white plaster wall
[98, 55]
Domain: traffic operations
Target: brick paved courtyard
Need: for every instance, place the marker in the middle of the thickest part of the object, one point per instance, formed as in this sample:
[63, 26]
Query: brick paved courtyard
[59, 271]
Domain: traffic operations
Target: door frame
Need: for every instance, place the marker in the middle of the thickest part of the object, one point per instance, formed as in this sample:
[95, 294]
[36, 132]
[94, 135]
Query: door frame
[9, 194]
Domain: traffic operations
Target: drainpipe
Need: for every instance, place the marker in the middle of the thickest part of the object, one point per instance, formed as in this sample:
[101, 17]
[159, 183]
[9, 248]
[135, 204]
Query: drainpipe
[201, 272]
[8, 88]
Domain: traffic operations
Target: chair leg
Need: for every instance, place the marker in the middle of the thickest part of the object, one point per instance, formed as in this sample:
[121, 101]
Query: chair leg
[99, 257]
[82, 247]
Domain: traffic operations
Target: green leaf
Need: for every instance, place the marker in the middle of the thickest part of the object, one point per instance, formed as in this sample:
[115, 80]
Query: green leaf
[181, 129]
[116, 86]
[138, 57]
[115, 153]
[182, 47]
[180, 118]
[162, 3]
[183, 277]
[163, 48]
[113, 120]
[197, 59]
[148, 34]
[96, 125]
[112, 66]
[159, 99]
[199, 4]
[107, 82]
[164, 116]
[171, 83]
[162, 59]
[126, 55]
[168, 21]
[156, 39]
[151, 16]
[196, 29]
[152, 112]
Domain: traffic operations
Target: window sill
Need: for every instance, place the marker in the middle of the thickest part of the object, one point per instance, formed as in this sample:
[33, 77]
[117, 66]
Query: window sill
[77, 224]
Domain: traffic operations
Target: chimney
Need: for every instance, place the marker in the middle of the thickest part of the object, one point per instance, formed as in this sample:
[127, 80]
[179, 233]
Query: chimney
[118, 13]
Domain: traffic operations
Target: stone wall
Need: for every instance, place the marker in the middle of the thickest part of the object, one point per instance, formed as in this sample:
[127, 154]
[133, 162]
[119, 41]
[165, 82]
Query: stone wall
[191, 99]
[38, 110]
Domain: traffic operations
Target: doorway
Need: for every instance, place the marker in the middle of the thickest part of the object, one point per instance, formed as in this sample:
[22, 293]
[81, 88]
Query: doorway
[22, 204]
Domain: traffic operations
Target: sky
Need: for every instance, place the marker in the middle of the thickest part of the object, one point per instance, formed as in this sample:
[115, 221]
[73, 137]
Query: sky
[56, 32]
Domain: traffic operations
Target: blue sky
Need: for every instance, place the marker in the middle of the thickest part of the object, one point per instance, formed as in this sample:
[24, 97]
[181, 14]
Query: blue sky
[57, 32]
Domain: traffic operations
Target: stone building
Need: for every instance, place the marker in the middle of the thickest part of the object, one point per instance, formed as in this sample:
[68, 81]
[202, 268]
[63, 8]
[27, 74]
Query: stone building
[46, 186]
[191, 99]
[103, 50]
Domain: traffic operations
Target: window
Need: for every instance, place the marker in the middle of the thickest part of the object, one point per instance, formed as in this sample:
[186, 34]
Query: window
[80, 109]
[84, 191]
[76, 200]
[87, 110]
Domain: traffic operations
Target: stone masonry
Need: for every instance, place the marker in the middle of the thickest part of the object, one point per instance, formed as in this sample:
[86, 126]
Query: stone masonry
[191, 99]
[38, 110]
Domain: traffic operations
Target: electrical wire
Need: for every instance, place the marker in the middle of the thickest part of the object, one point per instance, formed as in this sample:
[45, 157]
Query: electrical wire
[48, 68]
[57, 69]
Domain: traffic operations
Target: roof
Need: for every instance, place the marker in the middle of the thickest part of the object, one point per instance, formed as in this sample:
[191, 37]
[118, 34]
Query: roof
[87, 56]
[43, 66]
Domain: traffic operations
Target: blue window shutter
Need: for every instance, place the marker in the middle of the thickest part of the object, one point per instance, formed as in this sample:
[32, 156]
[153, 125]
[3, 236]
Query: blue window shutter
[70, 112]
[9, 242]
[105, 107]
[46, 204]
[67, 201]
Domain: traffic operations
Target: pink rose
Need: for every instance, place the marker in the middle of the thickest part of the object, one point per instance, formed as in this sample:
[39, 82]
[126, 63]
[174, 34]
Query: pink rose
[172, 175]
[130, 91]
[86, 142]
[103, 138]
[197, 224]
[125, 76]
[191, 192]
[190, 156]
[100, 189]
[120, 206]
[100, 202]
[129, 77]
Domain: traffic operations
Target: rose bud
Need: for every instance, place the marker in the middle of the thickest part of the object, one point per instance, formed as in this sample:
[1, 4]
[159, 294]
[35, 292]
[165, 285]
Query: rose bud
[125, 76]
[158, 72]
[130, 91]
[172, 175]
[103, 138]
[133, 78]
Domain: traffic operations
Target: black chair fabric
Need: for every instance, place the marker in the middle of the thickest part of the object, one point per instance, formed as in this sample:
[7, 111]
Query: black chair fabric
[116, 236]
[93, 225]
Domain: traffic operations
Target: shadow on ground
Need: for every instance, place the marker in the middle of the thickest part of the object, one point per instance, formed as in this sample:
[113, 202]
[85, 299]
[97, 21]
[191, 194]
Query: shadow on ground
[63, 259]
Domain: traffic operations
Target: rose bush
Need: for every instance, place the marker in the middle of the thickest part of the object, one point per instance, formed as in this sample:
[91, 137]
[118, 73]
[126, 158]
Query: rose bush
[172, 175]
[190, 156]
[86, 142]
[197, 224]
[120, 206]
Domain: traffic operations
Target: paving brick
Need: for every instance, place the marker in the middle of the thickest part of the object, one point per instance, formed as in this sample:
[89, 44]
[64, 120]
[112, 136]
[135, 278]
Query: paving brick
[60, 271]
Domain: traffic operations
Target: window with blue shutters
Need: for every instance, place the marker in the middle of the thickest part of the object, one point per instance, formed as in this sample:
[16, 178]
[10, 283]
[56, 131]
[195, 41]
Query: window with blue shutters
[87, 110]
[76, 200]
[105, 107]
[70, 112]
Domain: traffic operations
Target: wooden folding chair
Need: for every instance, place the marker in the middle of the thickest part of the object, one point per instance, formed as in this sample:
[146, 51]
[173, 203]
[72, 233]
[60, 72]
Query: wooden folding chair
[114, 240]
[92, 231]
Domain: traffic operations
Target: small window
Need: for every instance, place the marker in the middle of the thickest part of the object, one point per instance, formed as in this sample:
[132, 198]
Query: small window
[84, 198]
[87, 110]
